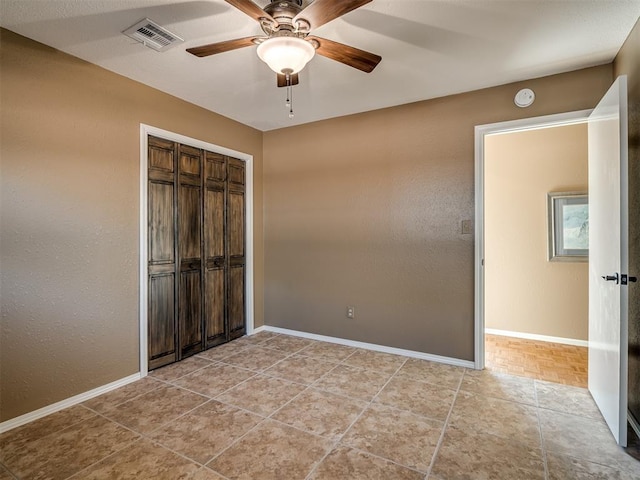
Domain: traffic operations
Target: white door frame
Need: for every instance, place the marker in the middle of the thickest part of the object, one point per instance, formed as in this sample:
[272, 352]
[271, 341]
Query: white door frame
[145, 131]
[480, 132]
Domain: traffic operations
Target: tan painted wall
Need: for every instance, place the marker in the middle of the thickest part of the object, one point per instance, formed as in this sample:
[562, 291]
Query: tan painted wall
[627, 62]
[69, 215]
[524, 291]
[365, 210]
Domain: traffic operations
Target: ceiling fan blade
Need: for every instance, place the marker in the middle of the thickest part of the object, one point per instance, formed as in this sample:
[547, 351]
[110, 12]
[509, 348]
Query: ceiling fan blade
[282, 80]
[354, 57]
[220, 47]
[320, 12]
[251, 9]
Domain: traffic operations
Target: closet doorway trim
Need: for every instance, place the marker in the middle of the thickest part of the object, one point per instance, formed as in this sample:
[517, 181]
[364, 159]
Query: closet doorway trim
[145, 131]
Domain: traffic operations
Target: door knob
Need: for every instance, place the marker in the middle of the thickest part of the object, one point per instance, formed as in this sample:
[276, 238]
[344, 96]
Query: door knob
[612, 278]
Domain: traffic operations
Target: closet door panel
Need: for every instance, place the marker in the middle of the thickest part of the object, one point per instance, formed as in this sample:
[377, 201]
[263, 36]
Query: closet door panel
[161, 309]
[214, 305]
[161, 321]
[190, 294]
[190, 312]
[236, 301]
[236, 246]
[214, 321]
[236, 224]
[161, 155]
[189, 221]
[214, 249]
[161, 230]
[214, 224]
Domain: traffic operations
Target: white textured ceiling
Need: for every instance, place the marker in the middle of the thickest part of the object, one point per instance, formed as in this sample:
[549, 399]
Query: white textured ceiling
[429, 48]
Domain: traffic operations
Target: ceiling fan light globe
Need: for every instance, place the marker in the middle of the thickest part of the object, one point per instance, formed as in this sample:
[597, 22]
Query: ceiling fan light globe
[286, 55]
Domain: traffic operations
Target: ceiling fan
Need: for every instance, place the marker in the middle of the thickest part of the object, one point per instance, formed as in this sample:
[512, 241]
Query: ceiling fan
[287, 45]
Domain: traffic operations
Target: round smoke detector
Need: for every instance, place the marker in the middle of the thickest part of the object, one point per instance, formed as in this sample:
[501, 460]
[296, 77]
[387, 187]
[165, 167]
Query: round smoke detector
[524, 97]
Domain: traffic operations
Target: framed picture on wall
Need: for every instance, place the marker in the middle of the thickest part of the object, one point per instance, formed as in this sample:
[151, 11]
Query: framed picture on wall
[568, 226]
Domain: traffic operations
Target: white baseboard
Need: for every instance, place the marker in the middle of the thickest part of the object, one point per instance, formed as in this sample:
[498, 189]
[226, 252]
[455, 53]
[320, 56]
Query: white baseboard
[540, 338]
[370, 346]
[69, 402]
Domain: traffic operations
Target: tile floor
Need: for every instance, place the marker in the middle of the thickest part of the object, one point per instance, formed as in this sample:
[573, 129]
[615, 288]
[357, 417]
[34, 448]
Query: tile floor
[278, 407]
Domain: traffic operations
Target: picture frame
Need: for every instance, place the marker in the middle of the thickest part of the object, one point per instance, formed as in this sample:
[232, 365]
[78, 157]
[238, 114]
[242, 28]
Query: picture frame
[568, 226]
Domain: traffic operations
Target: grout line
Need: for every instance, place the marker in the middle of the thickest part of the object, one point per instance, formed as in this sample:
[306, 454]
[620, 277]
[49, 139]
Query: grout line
[161, 383]
[542, 442]
[236, 441]
[117, 451]
[366, 407]
[207, 469]
[6, 469]
[147, 436]
[445, 426]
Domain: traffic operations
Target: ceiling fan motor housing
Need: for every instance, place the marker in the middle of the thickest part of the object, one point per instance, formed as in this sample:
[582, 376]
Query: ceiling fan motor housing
[283, 12]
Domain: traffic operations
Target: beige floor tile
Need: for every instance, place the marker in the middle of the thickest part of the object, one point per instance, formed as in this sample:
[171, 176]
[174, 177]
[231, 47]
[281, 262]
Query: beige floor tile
[346, 463]
[322, 413]
[142, 460]
[255, 339]
[205, 431]
[377, 361]
[256, 358]
[432, 372]
[331, 352]
[397, 435]
[469, 455]
[584, 438]
[301, 369]
[567, 399]
[152, 410]
[14, 441]
[426, 399]
[5, 475]
[205, 474]
[272, 451]
[111, 399]
[287, 343]
[223, 351]
[506, 387]
[562, 467]
[505, 419]
[70, 450]
[214, 379]
[261, 394]
[180, 369]
[353, 382]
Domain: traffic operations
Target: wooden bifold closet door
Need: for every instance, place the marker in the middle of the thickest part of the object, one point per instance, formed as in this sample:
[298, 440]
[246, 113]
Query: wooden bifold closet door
[196, 212]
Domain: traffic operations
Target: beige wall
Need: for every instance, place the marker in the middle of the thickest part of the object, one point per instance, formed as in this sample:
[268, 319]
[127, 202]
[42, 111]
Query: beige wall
[69, 214]
[627, 62]
[524, 291]
[365, 210]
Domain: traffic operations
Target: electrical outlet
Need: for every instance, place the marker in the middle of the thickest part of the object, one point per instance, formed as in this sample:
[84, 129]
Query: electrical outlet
[351, 312]
[467, 227]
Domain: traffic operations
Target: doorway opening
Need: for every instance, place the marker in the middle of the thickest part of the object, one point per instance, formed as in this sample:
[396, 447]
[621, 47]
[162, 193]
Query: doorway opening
[531, 313]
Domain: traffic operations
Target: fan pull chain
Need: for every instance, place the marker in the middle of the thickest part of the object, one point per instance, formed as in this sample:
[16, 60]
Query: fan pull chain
[289, 100]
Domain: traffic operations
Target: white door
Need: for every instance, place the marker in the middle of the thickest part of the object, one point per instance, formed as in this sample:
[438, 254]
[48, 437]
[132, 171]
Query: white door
[608, 258]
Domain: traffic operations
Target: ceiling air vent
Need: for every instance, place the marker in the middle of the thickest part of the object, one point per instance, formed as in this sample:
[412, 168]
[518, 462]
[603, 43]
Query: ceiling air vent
[152, 35]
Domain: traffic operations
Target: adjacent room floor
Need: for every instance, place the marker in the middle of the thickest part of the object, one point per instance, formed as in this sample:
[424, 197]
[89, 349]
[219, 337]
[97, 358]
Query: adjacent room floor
[279, 407]
[553, 362]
